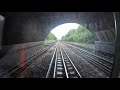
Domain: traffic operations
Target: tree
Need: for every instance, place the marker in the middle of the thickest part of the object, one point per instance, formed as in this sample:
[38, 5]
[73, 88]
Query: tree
[81, 34]
[51, 37]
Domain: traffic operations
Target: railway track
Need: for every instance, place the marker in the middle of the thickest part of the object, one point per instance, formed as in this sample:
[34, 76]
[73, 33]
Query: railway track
[16, 70]
[103, 64]
[91, 51]
[61, 65]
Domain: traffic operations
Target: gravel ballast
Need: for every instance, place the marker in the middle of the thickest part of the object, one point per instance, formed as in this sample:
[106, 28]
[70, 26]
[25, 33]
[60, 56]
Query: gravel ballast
[38, 69]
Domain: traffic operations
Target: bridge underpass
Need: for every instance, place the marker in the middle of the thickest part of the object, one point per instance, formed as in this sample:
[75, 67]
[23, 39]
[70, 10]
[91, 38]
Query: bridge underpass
[23, 30]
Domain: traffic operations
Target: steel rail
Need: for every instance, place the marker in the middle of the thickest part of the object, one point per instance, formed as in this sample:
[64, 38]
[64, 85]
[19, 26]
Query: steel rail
[50, 65]
[55, 64]
[72, 63]
[64, 64]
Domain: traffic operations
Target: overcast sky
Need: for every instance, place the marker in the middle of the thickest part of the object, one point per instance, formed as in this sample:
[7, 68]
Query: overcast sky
[63, 29]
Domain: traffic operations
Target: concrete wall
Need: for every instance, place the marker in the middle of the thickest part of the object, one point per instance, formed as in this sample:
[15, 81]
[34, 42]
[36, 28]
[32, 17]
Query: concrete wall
[107, 47]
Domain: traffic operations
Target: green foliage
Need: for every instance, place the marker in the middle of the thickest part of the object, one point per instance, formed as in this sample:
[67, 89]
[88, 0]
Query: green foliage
[81, 34]
[51, 37]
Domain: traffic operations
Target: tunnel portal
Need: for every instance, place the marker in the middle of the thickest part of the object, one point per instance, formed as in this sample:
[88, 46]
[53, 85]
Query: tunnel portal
[24, 27]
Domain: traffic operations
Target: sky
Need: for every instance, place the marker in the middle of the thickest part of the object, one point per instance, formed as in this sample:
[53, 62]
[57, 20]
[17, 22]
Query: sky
[63, 29]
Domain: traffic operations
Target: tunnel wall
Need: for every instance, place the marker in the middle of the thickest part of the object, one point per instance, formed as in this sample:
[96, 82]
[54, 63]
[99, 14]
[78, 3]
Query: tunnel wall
[21, 29]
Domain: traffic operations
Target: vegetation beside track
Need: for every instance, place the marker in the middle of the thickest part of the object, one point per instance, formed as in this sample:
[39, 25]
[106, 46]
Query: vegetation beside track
[80, 35]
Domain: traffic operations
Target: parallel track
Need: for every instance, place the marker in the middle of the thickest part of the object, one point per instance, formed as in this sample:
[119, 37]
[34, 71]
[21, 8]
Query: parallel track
[101, 63]
[16, 70]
